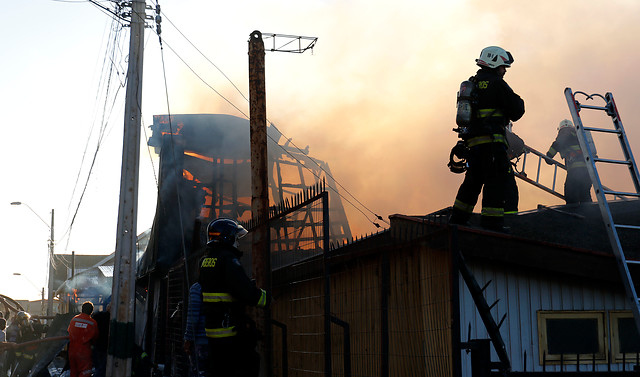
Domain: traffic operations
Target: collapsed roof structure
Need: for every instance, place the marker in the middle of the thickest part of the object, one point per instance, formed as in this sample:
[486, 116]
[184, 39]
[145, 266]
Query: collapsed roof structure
[204, 174]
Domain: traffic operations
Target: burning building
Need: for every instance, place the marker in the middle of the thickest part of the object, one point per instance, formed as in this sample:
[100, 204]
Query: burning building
[204, 174]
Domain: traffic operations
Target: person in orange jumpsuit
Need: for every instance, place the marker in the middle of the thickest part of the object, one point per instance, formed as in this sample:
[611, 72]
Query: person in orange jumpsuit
[83, 332]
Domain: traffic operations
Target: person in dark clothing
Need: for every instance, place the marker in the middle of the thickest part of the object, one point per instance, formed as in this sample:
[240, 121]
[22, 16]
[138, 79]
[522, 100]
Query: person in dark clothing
[496, 104]
[226, 291]
[100, 347]
[196, 343]
[25, 356]
[577, 185]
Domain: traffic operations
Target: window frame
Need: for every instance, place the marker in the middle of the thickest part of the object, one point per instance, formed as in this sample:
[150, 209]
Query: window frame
[554, 359]
[616, 355]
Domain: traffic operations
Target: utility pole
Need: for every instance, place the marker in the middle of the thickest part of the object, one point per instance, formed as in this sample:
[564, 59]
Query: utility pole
[260, 190]
[261, 255]
[51, 269]
[121, 329]
[50, 252]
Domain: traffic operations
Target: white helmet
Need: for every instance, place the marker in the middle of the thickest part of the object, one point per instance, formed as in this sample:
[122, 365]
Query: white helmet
[494, 57]
[564, 124]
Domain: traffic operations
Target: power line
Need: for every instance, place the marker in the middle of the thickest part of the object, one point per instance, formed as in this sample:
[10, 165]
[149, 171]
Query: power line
[107, 74]
[378, 217]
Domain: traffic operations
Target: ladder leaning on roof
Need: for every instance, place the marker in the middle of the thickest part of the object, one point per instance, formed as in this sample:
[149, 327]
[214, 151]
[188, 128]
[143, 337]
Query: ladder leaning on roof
[601, 192]
[537, 181]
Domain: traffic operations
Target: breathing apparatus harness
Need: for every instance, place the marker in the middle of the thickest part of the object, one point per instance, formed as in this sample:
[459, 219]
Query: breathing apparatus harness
[466, 102]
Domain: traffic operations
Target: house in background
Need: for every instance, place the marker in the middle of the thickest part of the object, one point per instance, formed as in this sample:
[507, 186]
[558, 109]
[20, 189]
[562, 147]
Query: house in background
[88, 277]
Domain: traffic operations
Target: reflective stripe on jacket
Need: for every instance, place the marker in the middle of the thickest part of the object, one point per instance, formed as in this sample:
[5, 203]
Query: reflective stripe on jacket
[567, 145]
[226, 290]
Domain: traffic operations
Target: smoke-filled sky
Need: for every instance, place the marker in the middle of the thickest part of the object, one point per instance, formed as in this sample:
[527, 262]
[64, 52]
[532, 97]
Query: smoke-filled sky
[375, 99]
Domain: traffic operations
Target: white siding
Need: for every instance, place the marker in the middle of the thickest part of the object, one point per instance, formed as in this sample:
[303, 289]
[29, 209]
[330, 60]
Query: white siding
[521, 295]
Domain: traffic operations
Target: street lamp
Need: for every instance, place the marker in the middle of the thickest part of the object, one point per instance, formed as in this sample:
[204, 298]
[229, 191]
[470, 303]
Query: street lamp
[51, 243]
[32, 283]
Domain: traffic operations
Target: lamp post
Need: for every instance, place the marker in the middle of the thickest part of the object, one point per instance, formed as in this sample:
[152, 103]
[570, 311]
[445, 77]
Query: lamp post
[32, 283]
[51, 250]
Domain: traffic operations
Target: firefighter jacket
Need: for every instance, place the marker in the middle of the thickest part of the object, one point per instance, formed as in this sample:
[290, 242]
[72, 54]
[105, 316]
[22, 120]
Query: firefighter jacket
[83, 332]
[496, 104]
[226, 290]
[567, 145]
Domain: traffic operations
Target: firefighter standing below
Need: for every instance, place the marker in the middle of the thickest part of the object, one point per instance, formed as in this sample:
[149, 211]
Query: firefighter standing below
[83, 332]
[495, 106]
[577, 185]
[25, 356]
[226, 290]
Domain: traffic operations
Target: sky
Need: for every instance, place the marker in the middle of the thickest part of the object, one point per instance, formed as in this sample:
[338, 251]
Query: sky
[375, 99]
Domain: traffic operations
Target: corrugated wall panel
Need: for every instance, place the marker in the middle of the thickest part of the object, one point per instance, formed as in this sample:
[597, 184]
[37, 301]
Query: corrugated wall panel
[522, 294]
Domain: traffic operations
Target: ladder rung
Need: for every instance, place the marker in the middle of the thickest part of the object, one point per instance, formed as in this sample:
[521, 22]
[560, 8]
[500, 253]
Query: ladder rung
[609, 130]
[633, 261]
[593, 107]
[623, 226]
[620, 193]
[622, 162]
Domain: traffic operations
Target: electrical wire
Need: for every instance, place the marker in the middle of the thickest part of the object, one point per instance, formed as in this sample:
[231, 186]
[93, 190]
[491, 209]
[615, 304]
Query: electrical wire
[173, 152]
[108, 65]
[206, 58]
[378, 217]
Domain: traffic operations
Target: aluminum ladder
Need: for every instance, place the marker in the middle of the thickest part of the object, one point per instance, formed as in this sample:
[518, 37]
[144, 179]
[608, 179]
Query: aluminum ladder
[602, 192]
[535, 155]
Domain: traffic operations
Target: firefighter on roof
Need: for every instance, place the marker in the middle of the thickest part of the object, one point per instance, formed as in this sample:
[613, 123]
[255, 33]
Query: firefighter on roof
[226, 291]
[494, 105]
[577, 185]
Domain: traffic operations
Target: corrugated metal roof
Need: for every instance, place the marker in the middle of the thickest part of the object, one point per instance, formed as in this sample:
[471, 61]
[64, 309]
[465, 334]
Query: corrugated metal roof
[107, 271]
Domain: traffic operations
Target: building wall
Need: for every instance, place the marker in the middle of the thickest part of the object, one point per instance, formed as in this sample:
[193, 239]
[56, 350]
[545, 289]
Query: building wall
[397, 303]
[521, 295]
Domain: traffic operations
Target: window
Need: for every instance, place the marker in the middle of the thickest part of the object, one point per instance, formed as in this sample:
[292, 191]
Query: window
[568, 335]
[624, 336]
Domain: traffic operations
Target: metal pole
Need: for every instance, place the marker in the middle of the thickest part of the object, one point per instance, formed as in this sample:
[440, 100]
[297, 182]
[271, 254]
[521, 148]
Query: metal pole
[121, 329]
[260, 189]
[51, 269]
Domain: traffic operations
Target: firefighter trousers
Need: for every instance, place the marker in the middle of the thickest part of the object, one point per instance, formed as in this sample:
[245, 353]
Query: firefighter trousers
[577, 186]
[235, 356]
[488, 173]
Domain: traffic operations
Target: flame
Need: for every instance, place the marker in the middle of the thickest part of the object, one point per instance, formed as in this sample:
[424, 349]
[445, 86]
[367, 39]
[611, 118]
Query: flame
[200, 156]
[227, 161]
[75, 295]
[176, 130]
[186, 174]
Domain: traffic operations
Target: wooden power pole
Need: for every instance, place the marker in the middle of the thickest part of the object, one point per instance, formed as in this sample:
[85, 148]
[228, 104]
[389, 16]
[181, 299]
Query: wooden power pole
[121, 329]
[260, 190]
[261, 255]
